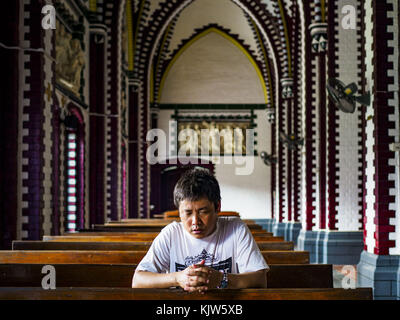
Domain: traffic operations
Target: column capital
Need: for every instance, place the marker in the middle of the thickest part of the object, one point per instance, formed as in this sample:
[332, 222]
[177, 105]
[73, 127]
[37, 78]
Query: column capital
[287, 88]
[319, 35]
[135, 83]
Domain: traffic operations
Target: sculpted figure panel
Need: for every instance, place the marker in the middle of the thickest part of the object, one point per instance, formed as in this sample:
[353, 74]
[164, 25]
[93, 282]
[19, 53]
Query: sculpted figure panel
[70, 59]
[221, 138]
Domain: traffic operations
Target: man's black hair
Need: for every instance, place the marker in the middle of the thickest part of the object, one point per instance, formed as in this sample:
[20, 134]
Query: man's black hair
[195, 184]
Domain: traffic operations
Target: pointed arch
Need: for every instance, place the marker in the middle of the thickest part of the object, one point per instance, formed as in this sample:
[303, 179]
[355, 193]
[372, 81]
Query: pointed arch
[227, 36]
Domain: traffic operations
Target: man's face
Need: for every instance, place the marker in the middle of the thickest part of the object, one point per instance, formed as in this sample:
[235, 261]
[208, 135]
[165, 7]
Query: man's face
[199, 218]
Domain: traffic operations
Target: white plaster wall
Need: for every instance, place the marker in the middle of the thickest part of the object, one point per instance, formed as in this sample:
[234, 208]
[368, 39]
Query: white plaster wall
[249, 195]
[203, 12]
[212, 70]
[348, 132]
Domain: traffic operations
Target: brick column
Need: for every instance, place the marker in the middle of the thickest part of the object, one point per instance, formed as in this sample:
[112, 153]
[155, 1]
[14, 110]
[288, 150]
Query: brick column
[97, 126]
[9, 115]
[379, 262]
[384, 120]
[133, 148]
[33, 119]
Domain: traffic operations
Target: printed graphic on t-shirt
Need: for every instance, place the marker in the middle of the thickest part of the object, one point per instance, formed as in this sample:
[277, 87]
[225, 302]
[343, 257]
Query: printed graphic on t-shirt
[209, 261]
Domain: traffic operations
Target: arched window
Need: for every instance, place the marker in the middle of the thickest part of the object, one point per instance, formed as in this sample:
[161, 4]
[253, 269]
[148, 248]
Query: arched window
[123, 182]
[74, 170]
[72, 179]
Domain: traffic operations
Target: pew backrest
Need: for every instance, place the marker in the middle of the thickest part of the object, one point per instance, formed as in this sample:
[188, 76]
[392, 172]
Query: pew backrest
[14, 293]
[120, 257]
[120, 275]
[122, 246]
[132, 237]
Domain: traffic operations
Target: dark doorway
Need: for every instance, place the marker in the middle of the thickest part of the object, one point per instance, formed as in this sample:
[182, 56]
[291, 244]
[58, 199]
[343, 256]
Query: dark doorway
[163, 180]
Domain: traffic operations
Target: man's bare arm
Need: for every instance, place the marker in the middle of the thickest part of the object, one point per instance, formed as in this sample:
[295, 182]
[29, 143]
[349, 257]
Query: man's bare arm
[146, 279]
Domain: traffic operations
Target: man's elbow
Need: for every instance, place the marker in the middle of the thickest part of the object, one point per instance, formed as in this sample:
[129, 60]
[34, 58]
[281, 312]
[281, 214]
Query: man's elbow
[263, 278]
[136, 280]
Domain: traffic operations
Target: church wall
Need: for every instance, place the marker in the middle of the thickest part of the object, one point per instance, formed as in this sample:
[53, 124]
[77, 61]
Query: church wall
[81, 102]
[348, 127]
[213, 70]
[201, 72]
[41, 179]
[223, 12]
[250, 194]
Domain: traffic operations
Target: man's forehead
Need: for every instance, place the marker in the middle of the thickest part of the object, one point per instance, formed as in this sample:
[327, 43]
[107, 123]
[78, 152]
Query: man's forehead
[189, 204]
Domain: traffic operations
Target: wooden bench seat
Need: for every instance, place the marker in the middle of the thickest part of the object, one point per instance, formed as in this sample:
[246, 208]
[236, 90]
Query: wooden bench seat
[34, 293]
[147, 228]
[120, 257]
[132, 237]
[120, 275]
[131, 245]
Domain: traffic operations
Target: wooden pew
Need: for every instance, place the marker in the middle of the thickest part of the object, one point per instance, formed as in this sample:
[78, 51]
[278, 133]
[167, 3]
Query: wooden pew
[160, 221]
[122, 246]
[120, 257]
[120, 275]
[132, 237]
[15, 293]
[90, 232]
[126, 227]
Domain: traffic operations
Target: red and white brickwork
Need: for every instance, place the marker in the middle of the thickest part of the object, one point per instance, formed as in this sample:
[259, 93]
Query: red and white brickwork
[381, 185]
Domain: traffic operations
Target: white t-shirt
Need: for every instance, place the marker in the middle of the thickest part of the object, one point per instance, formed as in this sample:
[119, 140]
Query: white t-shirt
[230, 247]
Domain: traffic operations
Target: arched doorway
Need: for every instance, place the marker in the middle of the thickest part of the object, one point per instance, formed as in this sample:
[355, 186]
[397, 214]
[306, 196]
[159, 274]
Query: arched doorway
[164, 176]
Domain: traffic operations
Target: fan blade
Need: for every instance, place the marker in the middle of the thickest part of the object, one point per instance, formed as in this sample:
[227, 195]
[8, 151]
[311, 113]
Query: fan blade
[346, 105]
[364, 99]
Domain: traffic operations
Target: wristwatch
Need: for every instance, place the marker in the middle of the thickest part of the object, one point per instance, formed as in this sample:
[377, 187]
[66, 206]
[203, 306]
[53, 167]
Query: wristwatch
[224, 281]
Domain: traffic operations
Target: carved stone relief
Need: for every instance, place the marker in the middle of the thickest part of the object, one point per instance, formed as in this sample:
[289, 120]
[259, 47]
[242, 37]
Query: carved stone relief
[70, 59]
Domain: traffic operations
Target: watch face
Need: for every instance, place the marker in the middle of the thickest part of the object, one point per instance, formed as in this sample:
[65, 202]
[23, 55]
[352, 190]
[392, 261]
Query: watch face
[224, 284]
[224, 281]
